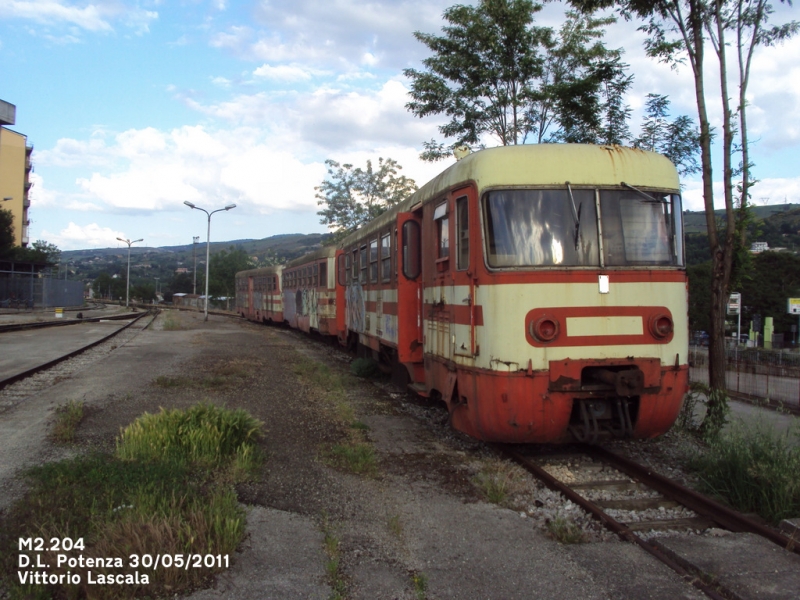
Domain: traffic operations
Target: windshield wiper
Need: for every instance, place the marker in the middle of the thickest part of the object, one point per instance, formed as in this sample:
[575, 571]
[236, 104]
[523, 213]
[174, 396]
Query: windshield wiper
[576, 214]
[645, 195]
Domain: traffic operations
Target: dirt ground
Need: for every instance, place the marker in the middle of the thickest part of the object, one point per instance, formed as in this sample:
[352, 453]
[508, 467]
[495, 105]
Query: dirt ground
[418, 528]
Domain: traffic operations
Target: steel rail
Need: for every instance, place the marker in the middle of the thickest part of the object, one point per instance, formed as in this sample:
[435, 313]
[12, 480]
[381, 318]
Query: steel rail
[719, 513]
[61, 322]
[19, 376]
[608, 521]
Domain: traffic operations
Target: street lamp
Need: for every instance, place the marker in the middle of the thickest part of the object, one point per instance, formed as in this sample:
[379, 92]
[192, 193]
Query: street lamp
[128, 282]
[195, 239]
[208, 241]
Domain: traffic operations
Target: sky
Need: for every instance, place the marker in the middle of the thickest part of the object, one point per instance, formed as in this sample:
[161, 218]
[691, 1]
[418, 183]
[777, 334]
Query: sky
[135, 106]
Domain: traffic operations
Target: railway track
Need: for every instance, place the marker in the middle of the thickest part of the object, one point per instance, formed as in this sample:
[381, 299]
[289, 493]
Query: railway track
[62, 322]
[633, 501]
[17, 387]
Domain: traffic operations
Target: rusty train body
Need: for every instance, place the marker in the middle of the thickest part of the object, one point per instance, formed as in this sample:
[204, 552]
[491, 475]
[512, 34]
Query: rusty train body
[539, 291]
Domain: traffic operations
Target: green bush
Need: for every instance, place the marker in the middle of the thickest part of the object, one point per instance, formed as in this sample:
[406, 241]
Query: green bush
[364, 367]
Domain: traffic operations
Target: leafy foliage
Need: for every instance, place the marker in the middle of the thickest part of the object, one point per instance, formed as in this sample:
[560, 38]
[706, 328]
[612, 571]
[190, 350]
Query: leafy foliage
[353, 196]
[495, 73]
[223, 267]
[678, 140]
[6, 232]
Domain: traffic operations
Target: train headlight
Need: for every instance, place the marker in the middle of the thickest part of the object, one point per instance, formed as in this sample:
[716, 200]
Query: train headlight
[661, 326]
[544, 329]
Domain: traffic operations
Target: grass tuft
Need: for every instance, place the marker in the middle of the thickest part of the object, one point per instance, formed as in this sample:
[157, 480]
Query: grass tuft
[497, 480]
[204, 436]
[68, 417]
[171, 322]
[332, 547]
[356, 457]
[565, 531]
[162, 492]
[365, 368]
[755, 469]
[420, 581]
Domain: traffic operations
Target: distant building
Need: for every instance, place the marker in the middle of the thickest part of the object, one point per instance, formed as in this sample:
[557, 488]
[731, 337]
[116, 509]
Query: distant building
[758, 247]
[181, 270]
[15, 170]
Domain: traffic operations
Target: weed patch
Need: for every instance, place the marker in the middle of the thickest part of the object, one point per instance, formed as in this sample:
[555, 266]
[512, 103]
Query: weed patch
[164, 491]
[68, 417]
[171, 323]
[754, 468]
[365, 368]
[356, 457]
[420, 582]
[565, 531]
[332, 564]
[497, 480]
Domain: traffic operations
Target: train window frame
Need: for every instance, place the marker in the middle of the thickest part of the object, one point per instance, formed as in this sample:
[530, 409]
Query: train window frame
[362, 277]
[502, 244]
[412, 249]
[315, 275]
[373, 260]
[441, 220]
[354, 273]
[386, 256]
[323, 274]
[342, 268]
[462, 233]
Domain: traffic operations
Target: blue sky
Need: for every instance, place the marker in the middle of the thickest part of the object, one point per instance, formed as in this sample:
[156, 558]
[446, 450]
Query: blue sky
[134, 107]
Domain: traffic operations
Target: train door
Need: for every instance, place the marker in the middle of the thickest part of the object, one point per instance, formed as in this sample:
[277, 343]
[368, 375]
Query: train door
[464, 318]
[440, 288]
[409, 294]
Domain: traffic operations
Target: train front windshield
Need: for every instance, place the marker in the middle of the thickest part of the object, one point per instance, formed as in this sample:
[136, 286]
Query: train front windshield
[552, 228]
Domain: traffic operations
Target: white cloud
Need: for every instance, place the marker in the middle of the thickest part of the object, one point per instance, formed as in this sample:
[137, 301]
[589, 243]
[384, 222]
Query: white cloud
[83, 236]
[285, 73]
[94, 17]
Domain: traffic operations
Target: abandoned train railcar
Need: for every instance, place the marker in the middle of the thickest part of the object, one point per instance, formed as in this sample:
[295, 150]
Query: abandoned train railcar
[258, 294]
[309, 292]
[538, 290]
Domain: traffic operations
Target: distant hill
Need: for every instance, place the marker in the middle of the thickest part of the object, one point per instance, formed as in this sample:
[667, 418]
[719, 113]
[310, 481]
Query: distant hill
[695, 221]
[288, 246]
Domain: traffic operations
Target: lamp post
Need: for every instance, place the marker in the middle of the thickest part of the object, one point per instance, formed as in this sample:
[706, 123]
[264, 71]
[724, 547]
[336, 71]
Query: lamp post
[208, 242]
[128, 281]
[195, 239]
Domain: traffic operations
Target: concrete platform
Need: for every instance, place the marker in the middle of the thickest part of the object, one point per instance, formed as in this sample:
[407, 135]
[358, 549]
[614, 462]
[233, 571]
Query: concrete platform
[23, 350]
[745, 565]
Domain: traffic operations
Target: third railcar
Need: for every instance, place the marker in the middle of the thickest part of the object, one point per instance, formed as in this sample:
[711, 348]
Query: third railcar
[539, 290]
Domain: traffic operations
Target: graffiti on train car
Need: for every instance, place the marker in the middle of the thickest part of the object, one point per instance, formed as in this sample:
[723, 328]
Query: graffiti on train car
[356, 309]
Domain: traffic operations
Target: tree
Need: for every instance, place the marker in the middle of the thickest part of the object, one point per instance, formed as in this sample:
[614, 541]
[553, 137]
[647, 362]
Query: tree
[677, 31]
[6, 233]
[40, 252]
[106, 286]
[495, 73]
[353, 196]
[222, 271]
[677, 140]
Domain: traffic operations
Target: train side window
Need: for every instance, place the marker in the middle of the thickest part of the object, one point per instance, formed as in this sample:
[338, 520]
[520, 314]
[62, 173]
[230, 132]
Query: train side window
[363, 277]
[323, 274]
[342, 268]
[373, 261]
[442, 221]
[315, 282]
[411, 250]
[462, 235]
[386, 257]
[354, 273]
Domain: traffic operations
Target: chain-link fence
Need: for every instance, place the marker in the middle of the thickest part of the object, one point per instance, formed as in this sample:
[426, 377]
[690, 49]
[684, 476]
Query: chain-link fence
[754, 372]
[27, 291]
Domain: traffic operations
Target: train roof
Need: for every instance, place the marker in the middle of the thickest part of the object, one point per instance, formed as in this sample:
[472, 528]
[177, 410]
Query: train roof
[324, 252]
[273, 270]
[540, 164]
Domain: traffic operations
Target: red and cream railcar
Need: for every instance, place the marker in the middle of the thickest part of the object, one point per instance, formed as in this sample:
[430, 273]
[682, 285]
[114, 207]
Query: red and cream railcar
[258, 294]
[309, 292]
[539, 290]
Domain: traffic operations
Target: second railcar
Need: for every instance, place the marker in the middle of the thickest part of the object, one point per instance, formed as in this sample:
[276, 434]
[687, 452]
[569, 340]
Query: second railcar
[309, 292]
